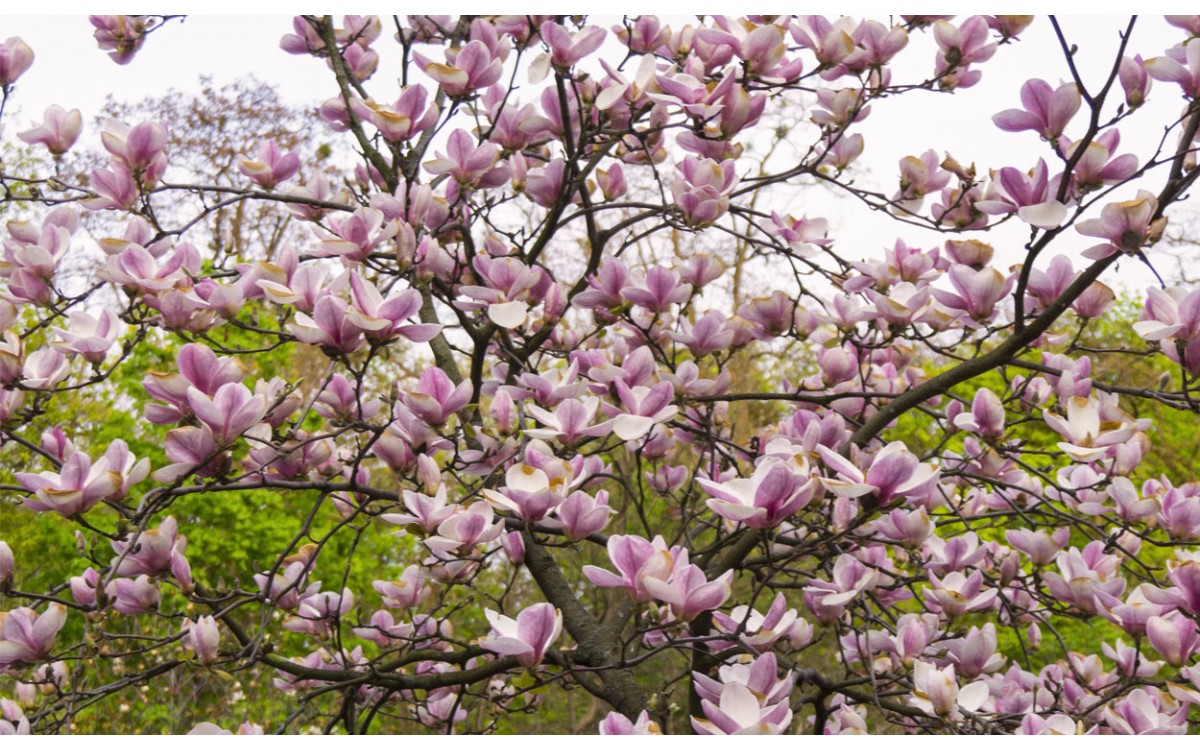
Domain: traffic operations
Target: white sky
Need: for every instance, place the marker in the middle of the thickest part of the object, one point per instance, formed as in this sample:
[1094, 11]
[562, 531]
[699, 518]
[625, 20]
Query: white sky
[71, 71]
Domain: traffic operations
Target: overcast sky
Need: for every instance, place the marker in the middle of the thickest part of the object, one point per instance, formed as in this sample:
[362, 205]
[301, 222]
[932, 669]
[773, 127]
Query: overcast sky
[71, 71]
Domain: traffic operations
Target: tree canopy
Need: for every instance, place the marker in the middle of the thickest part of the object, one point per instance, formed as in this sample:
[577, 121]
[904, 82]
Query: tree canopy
[508, 396]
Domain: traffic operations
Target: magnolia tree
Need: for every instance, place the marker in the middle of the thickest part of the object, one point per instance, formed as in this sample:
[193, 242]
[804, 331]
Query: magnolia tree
[621, 429]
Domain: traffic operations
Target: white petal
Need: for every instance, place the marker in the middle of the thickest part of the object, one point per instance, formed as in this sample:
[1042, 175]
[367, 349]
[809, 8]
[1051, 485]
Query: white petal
[540, 68]
[1048, 215]
[508, 314]
[610, 96]
[972, 696]
[1153, 330]
[631, 426]
[526, 478]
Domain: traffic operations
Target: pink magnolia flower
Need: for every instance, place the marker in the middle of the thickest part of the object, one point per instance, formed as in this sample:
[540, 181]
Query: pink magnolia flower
[7, 564]
[616, 723]
[569, 423]
[688, 591]
[1135, 80]
[1143, 712]
[962, 45]
[305, 41]
[139, 149]
[15, 58]
[229, 412]
[319, 614]
[1130, 661]
[936, 691]
[566, 49]
[58, 132]
[894, 473]
[81, 484]
[644, 36]
[1179, 513]
[641, 409]
[690, 94]
[914, 633]
[287, 586]
[353, 238]
[44, 369]
[748, 699]
[527, 492]
[207, 727]
[91, 337]
[1093, 426]
[761, 632]
[1098, 166]
[875, 46]
[361, 61]
[955, 593]
[1083, 573]
[317, 188]
[1127, 225]
[806, 237]
[154, 552]
[763, 500]
[1132, 614]
[406, 592]
[1173, 316]
[136, 596]
[198, 367]
[360, 30]
[136, 269]
[1171, 313]
[657, 290]
[122, 35]
[84, 587]
[1027, 194]
[436, 397]
[830, 42]
[384, 320]
[26, 636]
[272, 166]
[986, 417]
[1047, 110]
[637, 560]
[909, 528]
[329, 327]
[404, 119]
[1041, 547]
[582, 515]
[760, 47]
[1176, 638]
[957, 553]
[978, 291]
[191, 449]
[1055, 724]
[466, 529]
[827, 600]
[528, 637]
[424, 512]
[702, 187]
[1180, 65]
[1095, 301]
[919, 177]
[12, 355]
[13, 720]
[384, 630]
[707, 335]
[203, 637]
[470, 165]
[477, 65]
